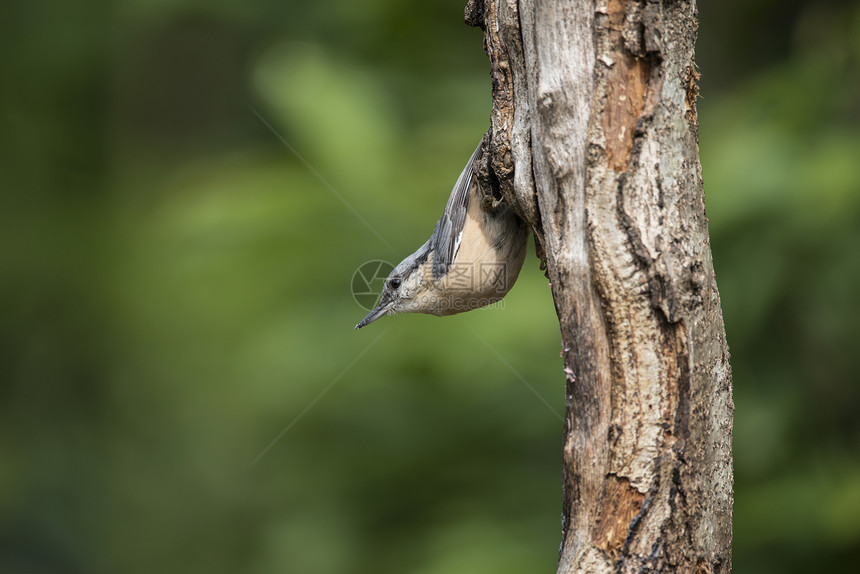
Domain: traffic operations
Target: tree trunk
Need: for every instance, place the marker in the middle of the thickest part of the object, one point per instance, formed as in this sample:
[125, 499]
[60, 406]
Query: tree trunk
[594, 142]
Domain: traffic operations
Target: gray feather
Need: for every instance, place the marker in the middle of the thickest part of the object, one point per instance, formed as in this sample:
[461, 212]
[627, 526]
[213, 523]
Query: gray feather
[446, 237]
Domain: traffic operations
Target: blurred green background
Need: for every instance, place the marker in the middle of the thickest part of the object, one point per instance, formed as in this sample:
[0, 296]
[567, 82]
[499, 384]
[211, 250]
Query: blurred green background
[175, 292]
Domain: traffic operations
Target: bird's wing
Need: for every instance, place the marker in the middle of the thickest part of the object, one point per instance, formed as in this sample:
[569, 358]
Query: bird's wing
[449, 228]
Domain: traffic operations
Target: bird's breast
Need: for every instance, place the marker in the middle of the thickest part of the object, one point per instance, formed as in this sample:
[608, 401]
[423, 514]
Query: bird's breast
[490, 255]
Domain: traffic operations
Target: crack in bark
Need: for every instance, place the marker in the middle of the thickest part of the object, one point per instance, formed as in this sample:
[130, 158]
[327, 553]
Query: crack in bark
[619, 509]
[627, 79]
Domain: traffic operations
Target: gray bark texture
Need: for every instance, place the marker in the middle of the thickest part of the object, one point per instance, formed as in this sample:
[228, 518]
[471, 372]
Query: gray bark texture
[594, 141]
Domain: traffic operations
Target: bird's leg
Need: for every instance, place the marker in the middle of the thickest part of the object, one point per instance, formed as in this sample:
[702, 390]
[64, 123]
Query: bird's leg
[488, 202]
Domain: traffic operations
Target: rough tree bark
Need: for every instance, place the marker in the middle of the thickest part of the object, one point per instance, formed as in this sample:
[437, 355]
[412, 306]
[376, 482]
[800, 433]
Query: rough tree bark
[594, 142]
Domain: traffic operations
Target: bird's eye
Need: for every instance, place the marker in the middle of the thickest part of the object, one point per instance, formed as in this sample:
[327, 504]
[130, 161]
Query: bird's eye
[394, 283]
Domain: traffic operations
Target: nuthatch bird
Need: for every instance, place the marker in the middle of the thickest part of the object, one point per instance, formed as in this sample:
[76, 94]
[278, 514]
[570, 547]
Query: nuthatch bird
[472, 259]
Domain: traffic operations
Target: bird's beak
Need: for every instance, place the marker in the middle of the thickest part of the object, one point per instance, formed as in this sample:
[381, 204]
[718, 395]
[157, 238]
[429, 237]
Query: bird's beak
[379, 311]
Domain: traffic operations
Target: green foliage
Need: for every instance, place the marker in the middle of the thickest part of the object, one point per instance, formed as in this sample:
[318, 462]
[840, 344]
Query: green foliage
[175, 294]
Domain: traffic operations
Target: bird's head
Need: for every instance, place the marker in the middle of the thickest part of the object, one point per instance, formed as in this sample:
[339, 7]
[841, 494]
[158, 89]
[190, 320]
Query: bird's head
[406, 290]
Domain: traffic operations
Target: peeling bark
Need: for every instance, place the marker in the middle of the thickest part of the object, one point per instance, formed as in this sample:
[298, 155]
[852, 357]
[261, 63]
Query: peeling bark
[594, 141]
